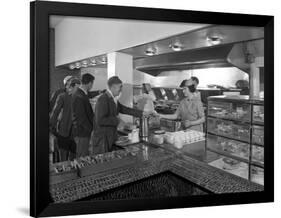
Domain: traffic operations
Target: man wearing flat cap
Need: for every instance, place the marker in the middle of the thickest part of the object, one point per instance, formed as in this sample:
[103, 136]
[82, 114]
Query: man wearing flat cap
[106, 116]
[66, 83]
[61, 121]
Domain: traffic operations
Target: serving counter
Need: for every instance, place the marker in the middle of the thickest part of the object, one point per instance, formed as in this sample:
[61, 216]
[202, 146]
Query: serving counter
[150, 160]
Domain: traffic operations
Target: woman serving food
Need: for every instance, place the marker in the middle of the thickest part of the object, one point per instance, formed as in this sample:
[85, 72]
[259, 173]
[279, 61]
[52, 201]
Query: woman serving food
[190, 110]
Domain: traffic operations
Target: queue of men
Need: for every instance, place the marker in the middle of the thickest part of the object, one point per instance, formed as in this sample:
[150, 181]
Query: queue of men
[79, 130]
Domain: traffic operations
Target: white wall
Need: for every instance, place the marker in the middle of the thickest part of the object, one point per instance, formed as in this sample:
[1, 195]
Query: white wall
[226, 77]
[100, 75]
[140, 77]
[77, 38]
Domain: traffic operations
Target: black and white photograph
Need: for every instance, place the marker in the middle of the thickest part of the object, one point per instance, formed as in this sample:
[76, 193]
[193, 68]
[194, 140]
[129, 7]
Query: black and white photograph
[143, 109]
[139, 109]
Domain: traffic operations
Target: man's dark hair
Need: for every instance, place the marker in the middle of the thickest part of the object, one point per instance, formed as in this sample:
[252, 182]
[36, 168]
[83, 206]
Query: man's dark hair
[87, 78]
[74, 81]
[194, 78]
[113, 80]
[191, 88]
[183, 83]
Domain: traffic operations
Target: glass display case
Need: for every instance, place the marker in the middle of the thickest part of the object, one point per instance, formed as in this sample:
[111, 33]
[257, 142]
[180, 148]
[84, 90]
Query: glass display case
[231, 165]
[230, 129]
[258, 135]
[229, 147]
[229, 110]
[258, 114]
[235, 136]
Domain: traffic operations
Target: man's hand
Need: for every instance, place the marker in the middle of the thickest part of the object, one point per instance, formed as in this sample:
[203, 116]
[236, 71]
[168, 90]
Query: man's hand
[187, 123]
[155, 114]
[146, 113]
[149, 113]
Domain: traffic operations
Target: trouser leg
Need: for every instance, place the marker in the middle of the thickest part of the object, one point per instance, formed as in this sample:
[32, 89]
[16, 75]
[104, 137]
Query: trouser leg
[82, 146]
[63, 145]
[63, 154]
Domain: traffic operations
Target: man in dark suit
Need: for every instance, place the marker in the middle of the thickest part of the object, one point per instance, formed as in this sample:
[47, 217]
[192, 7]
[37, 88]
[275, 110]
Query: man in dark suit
[83, 116]
[61, 122]
[107, 109]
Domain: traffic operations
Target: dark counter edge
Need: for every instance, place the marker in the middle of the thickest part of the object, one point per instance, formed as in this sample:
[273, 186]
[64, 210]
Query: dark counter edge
[228, 189]
[200, 173]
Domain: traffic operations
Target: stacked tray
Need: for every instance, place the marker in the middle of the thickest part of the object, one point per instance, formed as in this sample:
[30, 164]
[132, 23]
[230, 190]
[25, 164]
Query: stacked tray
[63, 171]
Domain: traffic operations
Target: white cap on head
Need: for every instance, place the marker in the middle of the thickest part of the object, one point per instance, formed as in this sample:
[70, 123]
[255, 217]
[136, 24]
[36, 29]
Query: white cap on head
[66, 79]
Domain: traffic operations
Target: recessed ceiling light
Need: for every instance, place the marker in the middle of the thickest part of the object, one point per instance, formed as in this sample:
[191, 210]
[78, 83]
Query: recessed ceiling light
[84, 62]
[103, 60]
[151, 50]
[93, 61]
[176, 45]
[71, 66]
[214, 39]
[77, 65]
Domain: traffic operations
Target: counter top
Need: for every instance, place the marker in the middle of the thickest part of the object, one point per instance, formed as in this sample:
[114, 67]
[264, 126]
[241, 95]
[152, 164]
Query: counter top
[153, 160]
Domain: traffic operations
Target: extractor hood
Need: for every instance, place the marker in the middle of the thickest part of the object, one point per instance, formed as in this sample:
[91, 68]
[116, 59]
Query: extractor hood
[229, 55]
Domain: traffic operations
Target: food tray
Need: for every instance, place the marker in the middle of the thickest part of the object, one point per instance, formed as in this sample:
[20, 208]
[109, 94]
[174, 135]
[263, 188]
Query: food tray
[58, 177]
[105, 164]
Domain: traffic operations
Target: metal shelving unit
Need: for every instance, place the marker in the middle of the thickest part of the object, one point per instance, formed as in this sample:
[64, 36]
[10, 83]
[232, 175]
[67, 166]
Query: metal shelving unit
[236, 114]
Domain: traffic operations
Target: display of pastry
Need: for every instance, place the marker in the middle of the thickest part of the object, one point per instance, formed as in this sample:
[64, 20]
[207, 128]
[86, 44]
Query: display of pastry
[258, 154]
[235, 148]
[258, 114]
[224, 128]
[230, 112]
[258, 135]
[236, 136]
[230, 164]
[257, 171]
[259, 139]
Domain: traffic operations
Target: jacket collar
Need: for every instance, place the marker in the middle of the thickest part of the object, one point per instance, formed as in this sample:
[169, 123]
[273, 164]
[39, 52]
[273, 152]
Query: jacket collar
[109, 94]
[81, 92]
[86, 93]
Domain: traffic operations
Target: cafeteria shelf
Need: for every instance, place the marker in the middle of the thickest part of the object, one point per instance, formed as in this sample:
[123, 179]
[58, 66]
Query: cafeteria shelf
[230, 119]
[223, 136]
[251, 130]
[228, 155]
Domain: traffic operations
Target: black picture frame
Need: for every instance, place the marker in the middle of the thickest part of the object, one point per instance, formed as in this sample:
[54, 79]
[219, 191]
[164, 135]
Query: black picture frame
[40, 200]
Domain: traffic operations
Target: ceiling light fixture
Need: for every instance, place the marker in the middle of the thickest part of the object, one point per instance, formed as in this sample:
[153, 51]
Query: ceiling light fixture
[103, 60]
[151, 50]
[176, 45]
[77, 65]
[214, 39]
[84, 63]
[93, 62]
[71, 66]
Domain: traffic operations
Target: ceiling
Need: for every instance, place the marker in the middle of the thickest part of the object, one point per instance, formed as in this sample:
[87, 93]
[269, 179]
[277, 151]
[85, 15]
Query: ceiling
[78, 38]
[190, 41]
[198, 39]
